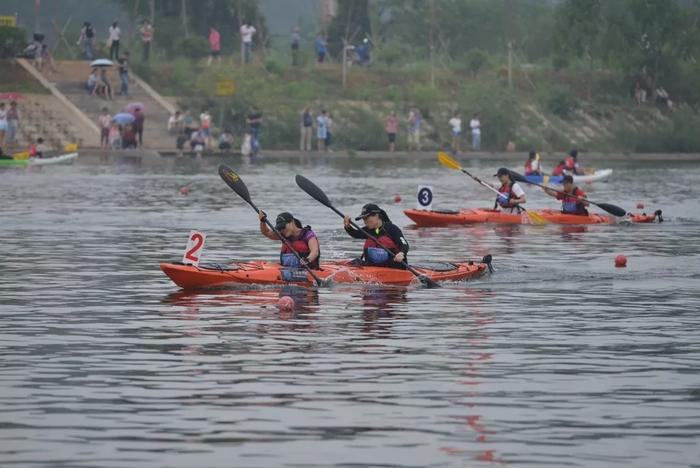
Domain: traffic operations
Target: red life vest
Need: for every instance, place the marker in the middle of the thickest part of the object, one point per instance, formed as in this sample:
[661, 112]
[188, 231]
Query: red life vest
[508, 191]
[373, 253]
[32, 150]
[559, 170]
[301, 245]
[571, 202]
[528, 167]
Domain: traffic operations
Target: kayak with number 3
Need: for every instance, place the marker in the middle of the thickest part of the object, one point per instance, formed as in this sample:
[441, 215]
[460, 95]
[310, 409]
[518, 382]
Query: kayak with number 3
[485, 215]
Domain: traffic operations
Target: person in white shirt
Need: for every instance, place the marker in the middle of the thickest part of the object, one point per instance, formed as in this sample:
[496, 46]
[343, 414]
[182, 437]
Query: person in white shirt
[113, 41]
[247, 32]
[511, 194]
[456, 125]
[475, 125]
[175, 123]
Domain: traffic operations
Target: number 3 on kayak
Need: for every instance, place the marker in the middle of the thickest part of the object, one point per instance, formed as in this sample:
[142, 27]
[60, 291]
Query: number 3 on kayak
[195, 245]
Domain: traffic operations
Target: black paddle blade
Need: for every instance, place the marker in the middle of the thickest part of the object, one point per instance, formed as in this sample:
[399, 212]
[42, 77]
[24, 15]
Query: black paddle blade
[234, 181]
[612, 209]
[429, 283]
[312, 189]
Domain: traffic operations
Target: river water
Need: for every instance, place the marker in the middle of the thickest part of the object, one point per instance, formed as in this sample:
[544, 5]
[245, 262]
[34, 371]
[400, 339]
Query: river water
[558, 358]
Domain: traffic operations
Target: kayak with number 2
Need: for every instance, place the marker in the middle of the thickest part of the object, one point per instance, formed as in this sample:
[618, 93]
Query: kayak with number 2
[485, 215]
[343, 271]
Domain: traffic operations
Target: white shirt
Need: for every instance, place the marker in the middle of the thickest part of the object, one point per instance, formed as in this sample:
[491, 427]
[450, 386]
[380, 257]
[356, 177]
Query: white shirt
[247, 33]
[114, 33]
[475, 126]
[456, 124]
[517, 190]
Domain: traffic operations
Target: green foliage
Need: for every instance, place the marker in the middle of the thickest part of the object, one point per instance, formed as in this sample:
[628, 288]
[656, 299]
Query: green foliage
[352, 23]
[193, 47]
[679, 136]
[12, 41]
[475, 60]
[560, 62]
[559, 100]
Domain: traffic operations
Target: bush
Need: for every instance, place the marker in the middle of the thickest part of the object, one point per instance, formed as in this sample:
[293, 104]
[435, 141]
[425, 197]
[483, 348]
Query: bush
[12, 41]
[680, 136]
[475, 60]
[194, 47]
[559, 100]
[559, 62]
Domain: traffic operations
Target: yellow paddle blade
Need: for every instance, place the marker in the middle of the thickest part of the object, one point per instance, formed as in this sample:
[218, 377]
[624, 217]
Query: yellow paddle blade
[536, 218]
[545, 179]
[448, 161]
[22, 155]
[70, 147]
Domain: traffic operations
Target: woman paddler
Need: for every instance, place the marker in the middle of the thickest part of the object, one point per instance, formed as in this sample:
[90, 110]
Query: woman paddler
[302, 239]
[511, 194]
[378, 225]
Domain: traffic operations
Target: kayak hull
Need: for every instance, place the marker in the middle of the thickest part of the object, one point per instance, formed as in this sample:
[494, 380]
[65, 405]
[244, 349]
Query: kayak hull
[484, 215]
[267, 273]
[62, 159]
[599, 175]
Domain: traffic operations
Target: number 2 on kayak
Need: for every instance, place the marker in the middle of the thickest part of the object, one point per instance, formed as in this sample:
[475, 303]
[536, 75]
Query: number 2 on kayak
[195, 245]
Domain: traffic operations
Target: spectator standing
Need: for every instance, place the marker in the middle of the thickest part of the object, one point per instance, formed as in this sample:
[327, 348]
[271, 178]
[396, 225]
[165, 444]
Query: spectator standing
[146, 38]
[47, 58]
[87, 36]
[190, 125]
[254, 121]
[307, 125]
[320, 46]
[12, 124]
[105, 123]
[475, 125]
[296, 40]
[330, 127]
[124, 74]
[215, 45]
[414, 125]
[391, 126]
[139, 119]
[113, 40]
[205, 127]
[104, 86]
[321, 130]
[175, 123]
[456, 127]
[115, 136]
[247, 32]
[3, 123]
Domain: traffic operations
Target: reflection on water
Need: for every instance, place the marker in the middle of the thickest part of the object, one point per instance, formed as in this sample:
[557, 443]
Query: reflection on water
[558, 358]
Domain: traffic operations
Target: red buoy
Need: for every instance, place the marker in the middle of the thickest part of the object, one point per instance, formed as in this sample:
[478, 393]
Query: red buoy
[184, 190]
[397, 199]
[620, 261]
[640, 206]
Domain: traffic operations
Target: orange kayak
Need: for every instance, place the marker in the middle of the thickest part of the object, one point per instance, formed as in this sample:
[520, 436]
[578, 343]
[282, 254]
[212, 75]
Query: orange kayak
[484, 215]
[260, 272]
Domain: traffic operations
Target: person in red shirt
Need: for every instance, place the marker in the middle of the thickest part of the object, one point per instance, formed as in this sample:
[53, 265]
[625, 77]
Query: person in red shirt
[571, 161]
[573, 199]
[559, 169]
[215, 43]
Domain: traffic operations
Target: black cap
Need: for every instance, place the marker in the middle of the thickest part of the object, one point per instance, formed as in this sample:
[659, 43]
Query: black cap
[532, 154]
[283, 219]
[502, 171]
[369, 209]
[567, 178]
[573, 153]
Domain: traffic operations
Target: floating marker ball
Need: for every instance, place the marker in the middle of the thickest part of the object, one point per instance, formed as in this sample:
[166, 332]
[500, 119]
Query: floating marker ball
[184, 190]
[620, 261]
[640, 206]
[285, 303]
[397, 199]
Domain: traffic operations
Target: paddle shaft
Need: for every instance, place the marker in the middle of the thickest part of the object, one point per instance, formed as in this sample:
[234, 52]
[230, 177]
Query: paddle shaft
[490, 187]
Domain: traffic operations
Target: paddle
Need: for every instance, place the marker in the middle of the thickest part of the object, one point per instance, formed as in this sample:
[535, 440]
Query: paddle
[234, 181]
[448, 161]
[612, 209]
[315, 192]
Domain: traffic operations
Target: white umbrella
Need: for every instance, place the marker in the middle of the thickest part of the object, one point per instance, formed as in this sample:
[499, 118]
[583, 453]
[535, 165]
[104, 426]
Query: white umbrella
[101, 63]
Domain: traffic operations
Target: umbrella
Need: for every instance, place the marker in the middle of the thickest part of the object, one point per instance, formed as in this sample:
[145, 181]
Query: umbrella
[123, 118]
[131, 107]
[101, 63]
[11, 97]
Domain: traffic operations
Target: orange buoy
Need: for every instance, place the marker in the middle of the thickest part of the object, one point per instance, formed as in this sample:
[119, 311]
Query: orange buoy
[620, 261]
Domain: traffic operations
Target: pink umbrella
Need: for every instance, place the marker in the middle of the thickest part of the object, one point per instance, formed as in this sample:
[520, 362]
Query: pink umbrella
[11, 97]
[131, 107]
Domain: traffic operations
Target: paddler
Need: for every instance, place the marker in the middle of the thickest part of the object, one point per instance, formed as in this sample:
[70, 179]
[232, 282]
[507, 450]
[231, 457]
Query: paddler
[571, 162]
[572, 198]
[511, 193]
[532, 165]
[378, 224]
[302, 239]
[559, 169]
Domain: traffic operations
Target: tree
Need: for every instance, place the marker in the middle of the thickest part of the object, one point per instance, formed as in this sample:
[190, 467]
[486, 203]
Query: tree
[352, 22]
